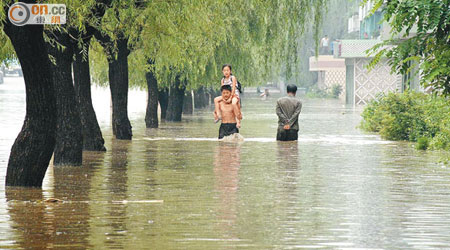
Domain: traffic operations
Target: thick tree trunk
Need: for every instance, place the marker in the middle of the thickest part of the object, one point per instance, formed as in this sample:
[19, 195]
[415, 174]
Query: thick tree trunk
[151, 115]
[33, 148]
[176, 98]
[69, 139]
[163, 98]
[187, 103]
[92, 135]
[118, 83]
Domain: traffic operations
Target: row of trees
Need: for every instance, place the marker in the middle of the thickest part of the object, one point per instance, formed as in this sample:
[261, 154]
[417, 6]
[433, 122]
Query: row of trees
[168, 47]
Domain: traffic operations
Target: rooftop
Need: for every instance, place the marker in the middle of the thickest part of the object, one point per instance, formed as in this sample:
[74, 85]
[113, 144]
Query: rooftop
[355, 48]
[326, 62]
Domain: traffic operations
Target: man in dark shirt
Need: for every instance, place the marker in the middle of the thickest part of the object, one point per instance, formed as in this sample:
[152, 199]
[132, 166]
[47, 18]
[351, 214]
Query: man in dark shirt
[288, 109]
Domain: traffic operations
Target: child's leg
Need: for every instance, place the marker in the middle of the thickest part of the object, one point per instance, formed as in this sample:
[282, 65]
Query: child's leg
[236, 108]
[217, 114]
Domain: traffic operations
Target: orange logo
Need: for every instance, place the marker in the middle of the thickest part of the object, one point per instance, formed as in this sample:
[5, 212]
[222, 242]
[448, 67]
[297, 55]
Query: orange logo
[21, 14]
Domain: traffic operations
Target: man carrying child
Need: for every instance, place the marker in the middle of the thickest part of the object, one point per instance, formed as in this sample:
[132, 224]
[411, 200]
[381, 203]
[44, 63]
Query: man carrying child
[230, 123]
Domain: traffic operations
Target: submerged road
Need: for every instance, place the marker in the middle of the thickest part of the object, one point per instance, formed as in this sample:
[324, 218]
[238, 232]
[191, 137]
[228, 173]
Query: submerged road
[177, 187]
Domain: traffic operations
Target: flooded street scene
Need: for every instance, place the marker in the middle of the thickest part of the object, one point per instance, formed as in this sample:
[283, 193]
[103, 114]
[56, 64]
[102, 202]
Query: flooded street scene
[216, 124]
[178, 187]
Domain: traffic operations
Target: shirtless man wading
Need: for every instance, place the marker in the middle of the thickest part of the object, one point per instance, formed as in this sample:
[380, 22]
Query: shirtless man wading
[230, 124]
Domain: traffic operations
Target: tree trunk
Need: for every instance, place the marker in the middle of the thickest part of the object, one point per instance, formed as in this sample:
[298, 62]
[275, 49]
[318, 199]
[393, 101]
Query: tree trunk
[118, 83]
[176, 97]
[199, 102]
[202, 97]
[210, 97]
[163, 98]
[205, 98]
[69, 138]
[92, 135]
[187, 103]
[33, 147]
[151, 115]
[214, 94]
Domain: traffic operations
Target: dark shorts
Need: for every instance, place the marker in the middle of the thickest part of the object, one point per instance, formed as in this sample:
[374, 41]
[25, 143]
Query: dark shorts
[227, 129]
[287, 135]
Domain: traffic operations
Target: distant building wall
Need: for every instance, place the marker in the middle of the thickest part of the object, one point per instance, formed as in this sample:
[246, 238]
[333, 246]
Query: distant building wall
[330, 70]
[368, 84]
[334, 77]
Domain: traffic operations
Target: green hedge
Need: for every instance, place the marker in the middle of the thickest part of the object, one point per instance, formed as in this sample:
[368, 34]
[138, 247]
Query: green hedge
[333, 92]
[410, 116]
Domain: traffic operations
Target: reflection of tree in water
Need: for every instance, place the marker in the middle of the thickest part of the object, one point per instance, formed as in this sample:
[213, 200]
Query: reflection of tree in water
[150, 163]
[33, 224]
[41, 223]
[227, 160]
[117, 185]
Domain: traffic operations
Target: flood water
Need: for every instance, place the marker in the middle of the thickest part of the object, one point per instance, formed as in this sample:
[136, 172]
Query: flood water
[177, 187]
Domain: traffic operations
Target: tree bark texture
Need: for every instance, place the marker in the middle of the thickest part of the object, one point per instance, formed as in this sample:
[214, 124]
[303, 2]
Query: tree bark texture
[118, 83]
[69, 138]
[92, 135]
[151, 115]
[33, 147]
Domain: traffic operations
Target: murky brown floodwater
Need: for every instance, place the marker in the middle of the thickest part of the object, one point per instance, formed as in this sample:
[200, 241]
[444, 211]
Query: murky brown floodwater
[179, 188]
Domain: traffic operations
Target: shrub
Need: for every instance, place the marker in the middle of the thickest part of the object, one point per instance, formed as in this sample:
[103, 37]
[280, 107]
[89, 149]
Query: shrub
[410, 116]
[315, 92]
[422, 143]
[333, 92]
[336, 90]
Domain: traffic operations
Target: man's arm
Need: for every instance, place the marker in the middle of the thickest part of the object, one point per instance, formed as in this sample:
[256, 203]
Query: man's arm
[295, 115]
[281, 114]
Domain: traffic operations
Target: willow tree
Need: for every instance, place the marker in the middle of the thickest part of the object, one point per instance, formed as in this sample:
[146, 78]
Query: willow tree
[83, 33]
[114, 36]
[77, 127]
[180, 45]
[168, 41]
[33, 147]
[36, 142]
[272, 36]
